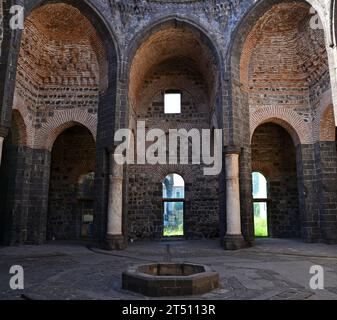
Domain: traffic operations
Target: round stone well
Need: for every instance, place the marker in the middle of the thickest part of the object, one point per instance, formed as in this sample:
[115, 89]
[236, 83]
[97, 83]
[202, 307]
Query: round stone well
[170, 279]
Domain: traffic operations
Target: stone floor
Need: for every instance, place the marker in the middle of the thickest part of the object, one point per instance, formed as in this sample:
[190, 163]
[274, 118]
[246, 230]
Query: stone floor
[273, 269]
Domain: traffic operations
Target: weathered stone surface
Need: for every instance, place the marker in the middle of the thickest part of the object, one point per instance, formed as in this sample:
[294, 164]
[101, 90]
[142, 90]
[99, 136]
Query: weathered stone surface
[170, 280]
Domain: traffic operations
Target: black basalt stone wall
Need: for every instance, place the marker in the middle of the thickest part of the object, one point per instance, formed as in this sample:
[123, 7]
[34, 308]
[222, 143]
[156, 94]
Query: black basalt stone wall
[327, 158]
[274, 155]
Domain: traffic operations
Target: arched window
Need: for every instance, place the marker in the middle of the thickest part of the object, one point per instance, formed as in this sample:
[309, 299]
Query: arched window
[260, 196]
[174, 203]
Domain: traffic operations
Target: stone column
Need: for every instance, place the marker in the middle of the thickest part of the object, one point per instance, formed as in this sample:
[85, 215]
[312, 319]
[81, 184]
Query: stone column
[233, 239]
[115, 239]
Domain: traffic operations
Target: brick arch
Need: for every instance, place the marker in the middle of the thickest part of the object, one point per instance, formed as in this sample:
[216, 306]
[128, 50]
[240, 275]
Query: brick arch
[207, 46]
[20, 106]
[249, 18]
[259, 90]
[21, 129]
[12, 39]
[163, 171]
[62, 120]
[264, 169]
[299, 130]
[90, 11]
[172, 21]
[327, 127]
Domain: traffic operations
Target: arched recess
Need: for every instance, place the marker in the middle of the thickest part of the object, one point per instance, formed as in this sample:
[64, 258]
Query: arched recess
[61, 121]
[172, 40]
[274, 155]
[173, 56]
[296, 127]
[12, 183]
[72, 158]
[277, 61]
[72, 51]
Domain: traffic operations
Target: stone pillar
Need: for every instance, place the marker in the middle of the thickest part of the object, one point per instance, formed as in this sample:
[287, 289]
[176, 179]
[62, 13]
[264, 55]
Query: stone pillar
[233, 239]
[115, 239]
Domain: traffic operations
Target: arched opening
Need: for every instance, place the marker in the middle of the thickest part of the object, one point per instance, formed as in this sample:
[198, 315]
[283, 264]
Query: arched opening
[174, 83]
[68, 60]
[174, 204]
[260, 196]
[70, 212]
[12, 181]
[66, 71]
[274, 155]
[279, 68]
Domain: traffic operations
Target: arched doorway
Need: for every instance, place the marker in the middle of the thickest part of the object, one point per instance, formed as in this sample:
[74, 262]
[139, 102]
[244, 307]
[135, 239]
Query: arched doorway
[174, 205]
[70, 211]
[7, 188]
[274, 155]
[12, 183]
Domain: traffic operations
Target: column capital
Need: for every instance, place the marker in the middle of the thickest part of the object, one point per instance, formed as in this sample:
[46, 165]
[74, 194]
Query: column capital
[232, 150]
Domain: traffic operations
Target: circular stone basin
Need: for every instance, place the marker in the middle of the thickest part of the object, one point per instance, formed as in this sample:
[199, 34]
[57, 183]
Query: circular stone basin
[170, 279]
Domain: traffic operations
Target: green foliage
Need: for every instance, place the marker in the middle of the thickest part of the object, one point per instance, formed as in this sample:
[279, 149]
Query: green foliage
[261, 227]
[174, 231]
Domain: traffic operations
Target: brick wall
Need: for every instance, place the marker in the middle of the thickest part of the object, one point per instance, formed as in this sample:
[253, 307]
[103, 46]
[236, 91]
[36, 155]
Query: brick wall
[58, 66]
[285, 61]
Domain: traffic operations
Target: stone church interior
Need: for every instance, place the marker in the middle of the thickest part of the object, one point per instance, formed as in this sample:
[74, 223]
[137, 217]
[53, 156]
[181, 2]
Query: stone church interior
[73, 77]
[257, 78]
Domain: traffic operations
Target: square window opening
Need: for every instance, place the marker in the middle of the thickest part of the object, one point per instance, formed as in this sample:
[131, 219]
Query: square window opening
[172, 102]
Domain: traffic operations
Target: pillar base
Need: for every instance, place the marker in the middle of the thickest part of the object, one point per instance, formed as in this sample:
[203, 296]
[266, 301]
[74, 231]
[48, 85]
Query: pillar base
[234, 242]
[115, 243]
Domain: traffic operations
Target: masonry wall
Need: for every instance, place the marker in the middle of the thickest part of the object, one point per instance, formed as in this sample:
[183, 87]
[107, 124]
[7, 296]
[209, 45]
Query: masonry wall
[145, 206]
[63, 66]
[73, 156]
[274, 155]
